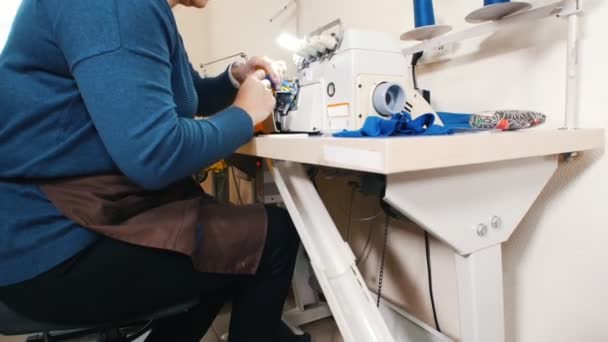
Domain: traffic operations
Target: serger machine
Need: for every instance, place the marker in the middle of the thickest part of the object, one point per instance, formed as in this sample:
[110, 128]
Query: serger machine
[344, 76]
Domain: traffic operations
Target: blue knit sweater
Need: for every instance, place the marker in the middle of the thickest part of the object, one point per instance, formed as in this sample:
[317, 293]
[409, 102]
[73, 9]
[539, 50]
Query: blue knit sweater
[93, 87]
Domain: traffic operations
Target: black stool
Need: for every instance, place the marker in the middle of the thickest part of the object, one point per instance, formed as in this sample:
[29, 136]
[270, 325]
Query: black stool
[12, 324]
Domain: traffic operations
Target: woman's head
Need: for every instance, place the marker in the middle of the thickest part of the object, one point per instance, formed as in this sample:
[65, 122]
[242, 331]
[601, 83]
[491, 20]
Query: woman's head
[189, 3]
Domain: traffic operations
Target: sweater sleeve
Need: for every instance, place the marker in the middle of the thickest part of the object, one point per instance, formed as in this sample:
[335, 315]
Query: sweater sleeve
[214, 93]
[126, 87]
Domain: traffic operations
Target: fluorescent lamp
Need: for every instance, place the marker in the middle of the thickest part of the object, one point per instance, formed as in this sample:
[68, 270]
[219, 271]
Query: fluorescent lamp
[290, 42]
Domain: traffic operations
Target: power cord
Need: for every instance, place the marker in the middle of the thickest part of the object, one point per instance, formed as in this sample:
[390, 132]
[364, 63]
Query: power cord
[237, 186]
[312, 174]
[415, 58]
[425, 93]
[370, 219]
[382, 261]
[350, 209]
[392, 213]
[217, 336]
[430, 275]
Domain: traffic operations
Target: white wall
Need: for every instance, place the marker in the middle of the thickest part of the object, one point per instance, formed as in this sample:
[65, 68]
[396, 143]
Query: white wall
[556, 261]
[228, 27]
[556, 264]
[8, 8]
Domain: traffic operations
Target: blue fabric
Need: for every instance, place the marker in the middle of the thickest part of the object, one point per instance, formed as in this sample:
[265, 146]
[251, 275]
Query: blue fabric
[398, 125]
[455, 121]
[92, 87]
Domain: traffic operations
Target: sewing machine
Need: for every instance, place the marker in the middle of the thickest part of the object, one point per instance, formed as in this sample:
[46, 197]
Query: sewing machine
[344, 77]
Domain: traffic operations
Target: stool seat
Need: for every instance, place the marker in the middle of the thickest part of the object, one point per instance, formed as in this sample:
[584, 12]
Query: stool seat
[12, 323]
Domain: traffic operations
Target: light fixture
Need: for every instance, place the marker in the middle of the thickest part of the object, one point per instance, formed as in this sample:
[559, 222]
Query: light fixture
[290, 42]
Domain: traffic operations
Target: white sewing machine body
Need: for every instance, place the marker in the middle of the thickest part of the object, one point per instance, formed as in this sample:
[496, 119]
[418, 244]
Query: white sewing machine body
[365, 75]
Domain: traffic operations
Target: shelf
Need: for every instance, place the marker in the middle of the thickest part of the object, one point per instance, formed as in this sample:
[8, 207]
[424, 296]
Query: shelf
[559, 8]
[403, 154]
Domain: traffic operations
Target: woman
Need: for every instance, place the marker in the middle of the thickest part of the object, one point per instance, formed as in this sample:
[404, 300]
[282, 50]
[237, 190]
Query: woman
[97, 100]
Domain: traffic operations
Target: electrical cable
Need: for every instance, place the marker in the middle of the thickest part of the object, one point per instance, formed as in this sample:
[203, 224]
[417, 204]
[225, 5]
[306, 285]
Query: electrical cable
[312, 174]
[217, 336]
[359, 258]
[428, 267]
[362, 219]
[415, 58]
[382, 261]
[220, 187]
[238, 188]
[370, 218]
[365, 219]
[350, 210]
[391, 212]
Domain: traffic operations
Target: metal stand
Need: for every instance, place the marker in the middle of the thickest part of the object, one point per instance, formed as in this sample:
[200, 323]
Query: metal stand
[569, 9]
[556, 8]
[497, 11]
[221, 186]
[308, 306]
[572, 13]
[332, 259]
[474, 209]
[480, 292]
[426, 32]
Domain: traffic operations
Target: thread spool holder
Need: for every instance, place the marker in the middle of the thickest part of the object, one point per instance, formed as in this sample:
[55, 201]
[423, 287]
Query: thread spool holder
[497, 11]
[567, 9]
[426, 28]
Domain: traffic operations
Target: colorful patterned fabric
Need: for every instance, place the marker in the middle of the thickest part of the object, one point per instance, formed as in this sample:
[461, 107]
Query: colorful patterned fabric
[502, 119]
[507, 119]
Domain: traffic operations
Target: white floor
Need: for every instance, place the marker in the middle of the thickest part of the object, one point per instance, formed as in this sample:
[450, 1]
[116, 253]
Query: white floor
[322, 331]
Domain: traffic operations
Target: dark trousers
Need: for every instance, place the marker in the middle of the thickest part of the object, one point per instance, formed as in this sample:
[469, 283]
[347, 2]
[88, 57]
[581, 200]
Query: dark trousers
[112, 280]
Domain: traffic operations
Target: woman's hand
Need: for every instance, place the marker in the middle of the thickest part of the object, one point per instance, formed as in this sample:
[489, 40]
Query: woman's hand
[274, 69]
[255, 97]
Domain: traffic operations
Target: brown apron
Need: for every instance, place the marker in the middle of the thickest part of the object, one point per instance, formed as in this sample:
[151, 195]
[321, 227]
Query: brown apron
[220, 238]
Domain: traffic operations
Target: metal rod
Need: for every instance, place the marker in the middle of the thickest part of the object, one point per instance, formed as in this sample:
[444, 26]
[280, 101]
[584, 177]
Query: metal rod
[481, 296]
[240, 54]
[282, 10]
[572, 71]
[337, 22]
[331, 258]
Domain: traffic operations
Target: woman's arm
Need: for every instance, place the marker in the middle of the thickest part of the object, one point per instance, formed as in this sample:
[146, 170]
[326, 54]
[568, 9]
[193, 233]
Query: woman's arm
[219, 92]
[214, 93]
[120, 56]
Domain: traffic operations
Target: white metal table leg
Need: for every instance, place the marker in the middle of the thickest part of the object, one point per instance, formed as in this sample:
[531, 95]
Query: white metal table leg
[332, 259]
[480, 295]
[308, 306]
[474, 209]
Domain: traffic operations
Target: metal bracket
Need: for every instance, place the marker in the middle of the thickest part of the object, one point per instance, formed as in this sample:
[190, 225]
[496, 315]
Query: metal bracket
[471, 207]
[332, 259]
[571, 8]
[283, 9]
[568, 157]
[538, 13]
[571, 12]
[204, 66]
